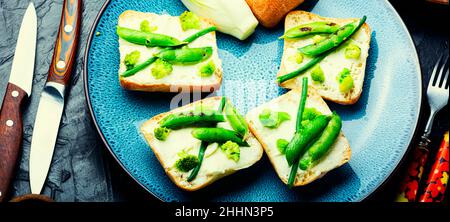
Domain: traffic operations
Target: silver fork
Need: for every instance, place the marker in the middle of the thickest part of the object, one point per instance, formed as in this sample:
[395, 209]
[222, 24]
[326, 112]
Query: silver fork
[437, 94]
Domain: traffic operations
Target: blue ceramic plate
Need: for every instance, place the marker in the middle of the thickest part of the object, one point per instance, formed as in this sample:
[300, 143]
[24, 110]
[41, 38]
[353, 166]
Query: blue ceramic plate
[379, 127]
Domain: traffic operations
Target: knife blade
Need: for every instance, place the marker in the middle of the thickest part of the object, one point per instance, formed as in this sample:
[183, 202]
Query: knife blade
[51, 103]
[18, 89]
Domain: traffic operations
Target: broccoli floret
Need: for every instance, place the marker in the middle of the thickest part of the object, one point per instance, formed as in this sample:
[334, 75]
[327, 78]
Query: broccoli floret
[189, 20]
[232, 150]
[145, 26]
[272, 119]
[161, 69]
[186, 163]
[207, 69]
[131, 59]
[161, 133]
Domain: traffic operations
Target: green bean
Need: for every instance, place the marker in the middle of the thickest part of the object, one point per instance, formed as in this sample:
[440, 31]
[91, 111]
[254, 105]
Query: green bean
[203, 146]
[200, 34]
[236, 121]
[298, 126]
[324, 143]
[302, 69]
[149, 61]
[185, 55]
[332, 41]
[147, 38]
[201, 154]
[138, 67]
[218, 135]
[222, 104]
[310, 28]
[177, 120]
[298, 144]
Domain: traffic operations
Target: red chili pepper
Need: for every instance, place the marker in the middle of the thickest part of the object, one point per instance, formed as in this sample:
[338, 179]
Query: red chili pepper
[438, 177]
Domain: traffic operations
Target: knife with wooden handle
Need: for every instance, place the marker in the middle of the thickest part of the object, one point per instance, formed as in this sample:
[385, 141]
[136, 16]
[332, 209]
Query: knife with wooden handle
[17, 90]
[51, 103]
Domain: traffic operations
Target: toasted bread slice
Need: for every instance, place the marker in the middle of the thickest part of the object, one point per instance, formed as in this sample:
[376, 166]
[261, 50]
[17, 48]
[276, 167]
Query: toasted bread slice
[332, 65]
[338, 154]
[215, 163]
[183, 77]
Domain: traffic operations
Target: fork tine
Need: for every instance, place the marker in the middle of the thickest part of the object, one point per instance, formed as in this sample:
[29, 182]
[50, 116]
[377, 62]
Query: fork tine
[433, 74]
[444, 83]
[441, 71]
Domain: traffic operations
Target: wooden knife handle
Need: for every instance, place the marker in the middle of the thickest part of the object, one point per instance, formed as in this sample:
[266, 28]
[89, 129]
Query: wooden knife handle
[10, 134]
[413, 175]
[66, 43]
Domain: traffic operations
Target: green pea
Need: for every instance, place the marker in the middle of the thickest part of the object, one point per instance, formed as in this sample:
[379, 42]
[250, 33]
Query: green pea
[218, 135]
[317, 74]
[185, 55]
[345, 80]
[177, 120]
[333, 40]
[352, 51]
[236, 121]
[147, 39]
[298, 144]
[324, 143]
[310, 28]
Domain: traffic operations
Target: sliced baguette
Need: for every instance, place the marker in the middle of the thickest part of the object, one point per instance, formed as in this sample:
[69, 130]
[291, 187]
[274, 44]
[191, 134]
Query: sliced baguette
[332, 65]
[183, 77]
[270, 12]
[338, 154]
[215, 163]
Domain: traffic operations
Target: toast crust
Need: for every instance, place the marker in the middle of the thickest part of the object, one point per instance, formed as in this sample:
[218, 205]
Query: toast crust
[175, 177]
[127, 84]
[309, 176]
[291, 20]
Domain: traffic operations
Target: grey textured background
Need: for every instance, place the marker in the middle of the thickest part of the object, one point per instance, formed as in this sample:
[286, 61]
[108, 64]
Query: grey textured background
[83, 170]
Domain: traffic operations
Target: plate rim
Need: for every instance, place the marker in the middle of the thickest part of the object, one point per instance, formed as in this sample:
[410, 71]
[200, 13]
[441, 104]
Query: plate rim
[362, 198]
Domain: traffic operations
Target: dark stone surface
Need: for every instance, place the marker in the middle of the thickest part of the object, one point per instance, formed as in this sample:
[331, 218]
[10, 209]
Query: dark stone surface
[82, 168]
